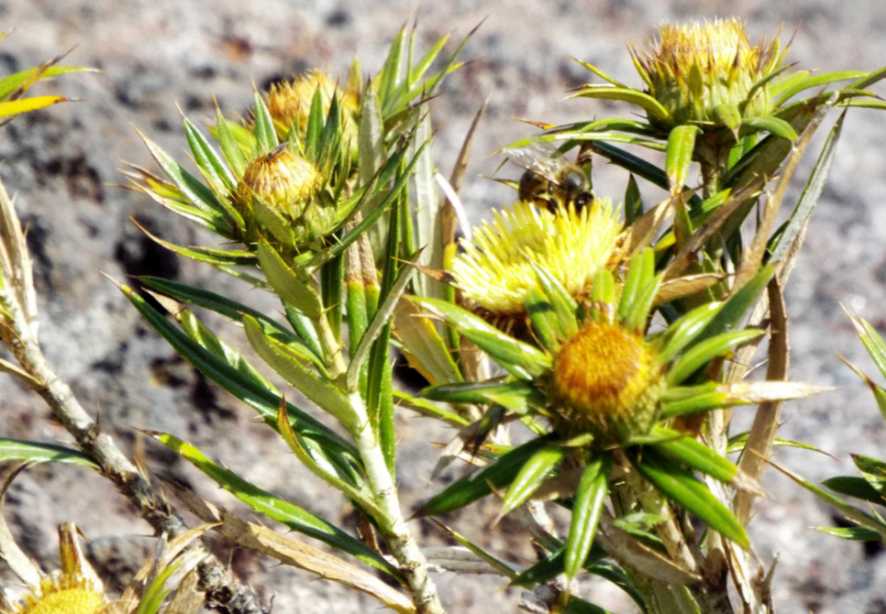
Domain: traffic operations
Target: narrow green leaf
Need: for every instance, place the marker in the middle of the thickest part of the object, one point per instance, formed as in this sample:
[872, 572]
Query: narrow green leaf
[425, 203]
[265, 135]
[195, 191]
[641, 270]
[872, 341]
[38, 452]
[381, 319]
[289, 286]
[791, 87]
[590, 496]
[559, 298]
[531, 476]
[213, 166]
[649, 104]
[264, 400]
[496, 475]
[25, 79]
[853, 533]
[293, 516]
[633, 201]
[704, 351]
[290, 366]
[433, 410]
[689, 451]
[684, 331]
[773, 125]
[873, 471]
[738, 305]
[856, 487]
[633, 164]
[509, 352]
[231, 149]
[513, 395]
[681, 146]
[222, 305]
[679, 485]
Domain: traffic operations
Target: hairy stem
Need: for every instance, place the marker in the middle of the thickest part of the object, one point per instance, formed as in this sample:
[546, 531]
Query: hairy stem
[412, 562]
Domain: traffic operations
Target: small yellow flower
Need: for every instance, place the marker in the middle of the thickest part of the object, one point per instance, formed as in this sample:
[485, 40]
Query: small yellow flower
[606, 380]
[74, 589]
[282, 180]
[692, 69]
[289, 102]
[495, 271]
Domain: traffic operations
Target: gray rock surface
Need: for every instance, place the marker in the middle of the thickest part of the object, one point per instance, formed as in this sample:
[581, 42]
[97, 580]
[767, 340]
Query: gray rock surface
[64, 167]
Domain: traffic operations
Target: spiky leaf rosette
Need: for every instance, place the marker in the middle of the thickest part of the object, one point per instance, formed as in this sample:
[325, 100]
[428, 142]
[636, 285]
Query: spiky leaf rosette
[710, 94]
[610, 392]
[700, 71]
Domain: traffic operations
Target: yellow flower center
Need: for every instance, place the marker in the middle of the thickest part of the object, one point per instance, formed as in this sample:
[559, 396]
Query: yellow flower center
[606, 380]
[282, 180]
[65, 595]
[495, 270]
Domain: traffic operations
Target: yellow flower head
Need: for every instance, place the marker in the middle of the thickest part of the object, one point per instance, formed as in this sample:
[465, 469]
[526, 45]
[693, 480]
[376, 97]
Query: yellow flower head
[606, 379]
[289, 102]
[282, 180]
[692, 69]
[74, 589]
[495, 271]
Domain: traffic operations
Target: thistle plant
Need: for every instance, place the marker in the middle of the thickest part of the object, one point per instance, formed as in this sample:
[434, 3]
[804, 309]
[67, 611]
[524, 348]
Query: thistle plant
[588, 355]
[291, 188]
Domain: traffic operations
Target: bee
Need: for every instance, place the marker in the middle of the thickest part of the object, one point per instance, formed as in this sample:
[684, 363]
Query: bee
[550, 180]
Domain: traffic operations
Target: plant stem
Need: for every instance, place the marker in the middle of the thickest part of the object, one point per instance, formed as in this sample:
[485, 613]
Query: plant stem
[223, 592]
[413, 564]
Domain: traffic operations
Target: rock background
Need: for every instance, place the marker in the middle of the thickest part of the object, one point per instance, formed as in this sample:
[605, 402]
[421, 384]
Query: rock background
[64, 166]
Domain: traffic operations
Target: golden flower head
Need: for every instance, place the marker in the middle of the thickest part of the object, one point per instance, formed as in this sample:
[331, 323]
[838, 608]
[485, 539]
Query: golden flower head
[282, 180]
[606, 380]
[694, 69]
[74, 589]
[495, 272]
[289, 102]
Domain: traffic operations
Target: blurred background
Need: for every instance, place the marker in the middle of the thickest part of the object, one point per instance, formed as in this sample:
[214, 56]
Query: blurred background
[154, 56]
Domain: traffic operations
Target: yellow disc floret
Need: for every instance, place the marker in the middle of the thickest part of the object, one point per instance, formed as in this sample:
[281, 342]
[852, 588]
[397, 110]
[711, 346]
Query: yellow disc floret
[63, 595]
[281, 180]
[495, 271]
[606, 380]
[692, 69]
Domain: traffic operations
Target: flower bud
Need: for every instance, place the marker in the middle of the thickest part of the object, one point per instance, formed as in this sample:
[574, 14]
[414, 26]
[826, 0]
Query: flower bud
[289, 102]
[699, 69]
[282, 180]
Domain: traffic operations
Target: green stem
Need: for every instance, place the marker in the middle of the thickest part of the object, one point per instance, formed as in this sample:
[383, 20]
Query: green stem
[413, 564]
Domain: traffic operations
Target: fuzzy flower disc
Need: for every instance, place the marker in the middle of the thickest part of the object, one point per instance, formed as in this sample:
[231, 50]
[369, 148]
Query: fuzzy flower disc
[606, 380]
[281, 179]
[65, 594]
[495, 270]
[692, 69]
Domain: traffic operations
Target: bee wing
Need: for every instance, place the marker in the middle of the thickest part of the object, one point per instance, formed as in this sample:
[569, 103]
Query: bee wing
[539, 157]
